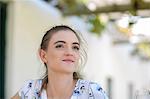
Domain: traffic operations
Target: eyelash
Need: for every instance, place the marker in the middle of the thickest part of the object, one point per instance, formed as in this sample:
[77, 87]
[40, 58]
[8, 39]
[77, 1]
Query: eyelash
[76, 48]
[62, 46]
[59, 46]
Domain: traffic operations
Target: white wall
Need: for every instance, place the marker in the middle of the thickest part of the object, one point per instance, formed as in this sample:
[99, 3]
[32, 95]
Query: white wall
[107, 60]
[27, 22]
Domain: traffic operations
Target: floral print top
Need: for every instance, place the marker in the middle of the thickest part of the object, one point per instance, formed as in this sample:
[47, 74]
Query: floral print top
[84, 89]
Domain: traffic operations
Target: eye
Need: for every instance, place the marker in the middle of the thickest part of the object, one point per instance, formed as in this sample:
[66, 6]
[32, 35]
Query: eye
[76, 48]
[59, 46]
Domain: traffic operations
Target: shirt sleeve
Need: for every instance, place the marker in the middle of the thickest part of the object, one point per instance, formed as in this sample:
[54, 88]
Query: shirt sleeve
[31, 89]
[96, 91]
[25, 89]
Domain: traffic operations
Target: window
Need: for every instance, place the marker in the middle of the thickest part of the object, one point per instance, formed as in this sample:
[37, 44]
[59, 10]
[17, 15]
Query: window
[109, 87]
[130, 91]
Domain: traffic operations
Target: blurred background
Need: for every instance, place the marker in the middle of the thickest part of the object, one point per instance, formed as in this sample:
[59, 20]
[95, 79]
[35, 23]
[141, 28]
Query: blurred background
[117, 34]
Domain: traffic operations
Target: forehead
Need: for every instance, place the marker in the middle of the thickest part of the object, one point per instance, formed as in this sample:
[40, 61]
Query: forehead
[64, 35]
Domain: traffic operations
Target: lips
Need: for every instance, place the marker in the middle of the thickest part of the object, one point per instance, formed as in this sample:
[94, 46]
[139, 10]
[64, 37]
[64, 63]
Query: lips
[68, 60]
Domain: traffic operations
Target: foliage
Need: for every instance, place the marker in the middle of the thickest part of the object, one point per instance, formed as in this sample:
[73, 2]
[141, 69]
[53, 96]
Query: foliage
[97, 25]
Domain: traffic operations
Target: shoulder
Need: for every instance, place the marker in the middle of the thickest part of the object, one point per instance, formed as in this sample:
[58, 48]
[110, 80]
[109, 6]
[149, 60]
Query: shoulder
[95, 91]
[30, 87]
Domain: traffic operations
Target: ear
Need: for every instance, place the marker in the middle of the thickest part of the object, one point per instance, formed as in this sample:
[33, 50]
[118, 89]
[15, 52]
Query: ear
[43, 55]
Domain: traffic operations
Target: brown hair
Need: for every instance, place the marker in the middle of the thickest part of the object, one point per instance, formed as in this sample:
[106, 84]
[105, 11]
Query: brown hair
[44, 45]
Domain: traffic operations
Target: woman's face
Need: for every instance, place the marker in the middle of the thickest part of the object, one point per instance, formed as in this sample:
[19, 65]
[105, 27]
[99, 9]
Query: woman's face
[62, 54]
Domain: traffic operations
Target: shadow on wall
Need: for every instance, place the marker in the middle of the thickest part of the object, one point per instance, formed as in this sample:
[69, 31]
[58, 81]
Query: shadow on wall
[2, 47]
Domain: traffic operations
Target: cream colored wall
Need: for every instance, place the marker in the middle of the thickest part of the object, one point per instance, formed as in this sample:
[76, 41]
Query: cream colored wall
[27, 22]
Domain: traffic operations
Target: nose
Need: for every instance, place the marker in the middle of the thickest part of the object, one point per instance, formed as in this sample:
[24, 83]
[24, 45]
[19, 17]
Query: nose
[69, 52]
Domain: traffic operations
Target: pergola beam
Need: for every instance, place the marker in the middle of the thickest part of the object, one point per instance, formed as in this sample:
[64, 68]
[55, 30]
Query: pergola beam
[134, 6]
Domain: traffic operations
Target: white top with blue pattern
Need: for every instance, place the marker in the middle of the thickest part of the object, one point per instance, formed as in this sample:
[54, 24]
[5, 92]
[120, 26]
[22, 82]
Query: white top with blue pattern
[84, 89]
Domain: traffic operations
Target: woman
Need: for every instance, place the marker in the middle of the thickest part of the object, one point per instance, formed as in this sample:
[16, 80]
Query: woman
[61, 53]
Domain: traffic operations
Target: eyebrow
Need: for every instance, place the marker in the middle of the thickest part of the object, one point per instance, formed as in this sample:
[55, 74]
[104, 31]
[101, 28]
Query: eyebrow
[76, 43]
[59, 42]
[65, 42]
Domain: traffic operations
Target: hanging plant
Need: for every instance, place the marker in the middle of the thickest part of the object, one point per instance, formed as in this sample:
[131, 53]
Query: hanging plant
[96, 25]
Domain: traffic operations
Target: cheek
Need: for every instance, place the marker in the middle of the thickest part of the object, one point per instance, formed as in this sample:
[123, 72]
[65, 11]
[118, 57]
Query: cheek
[51, 56]
[54, 57]
[77, 56]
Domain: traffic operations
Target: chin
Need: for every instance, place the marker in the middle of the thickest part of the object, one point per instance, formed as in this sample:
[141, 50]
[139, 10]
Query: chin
[68, 70]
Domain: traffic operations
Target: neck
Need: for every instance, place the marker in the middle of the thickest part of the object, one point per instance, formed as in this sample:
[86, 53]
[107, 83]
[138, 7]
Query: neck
[60, 86]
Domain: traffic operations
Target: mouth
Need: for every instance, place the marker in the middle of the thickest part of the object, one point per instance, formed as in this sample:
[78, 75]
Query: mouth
[68, 61]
